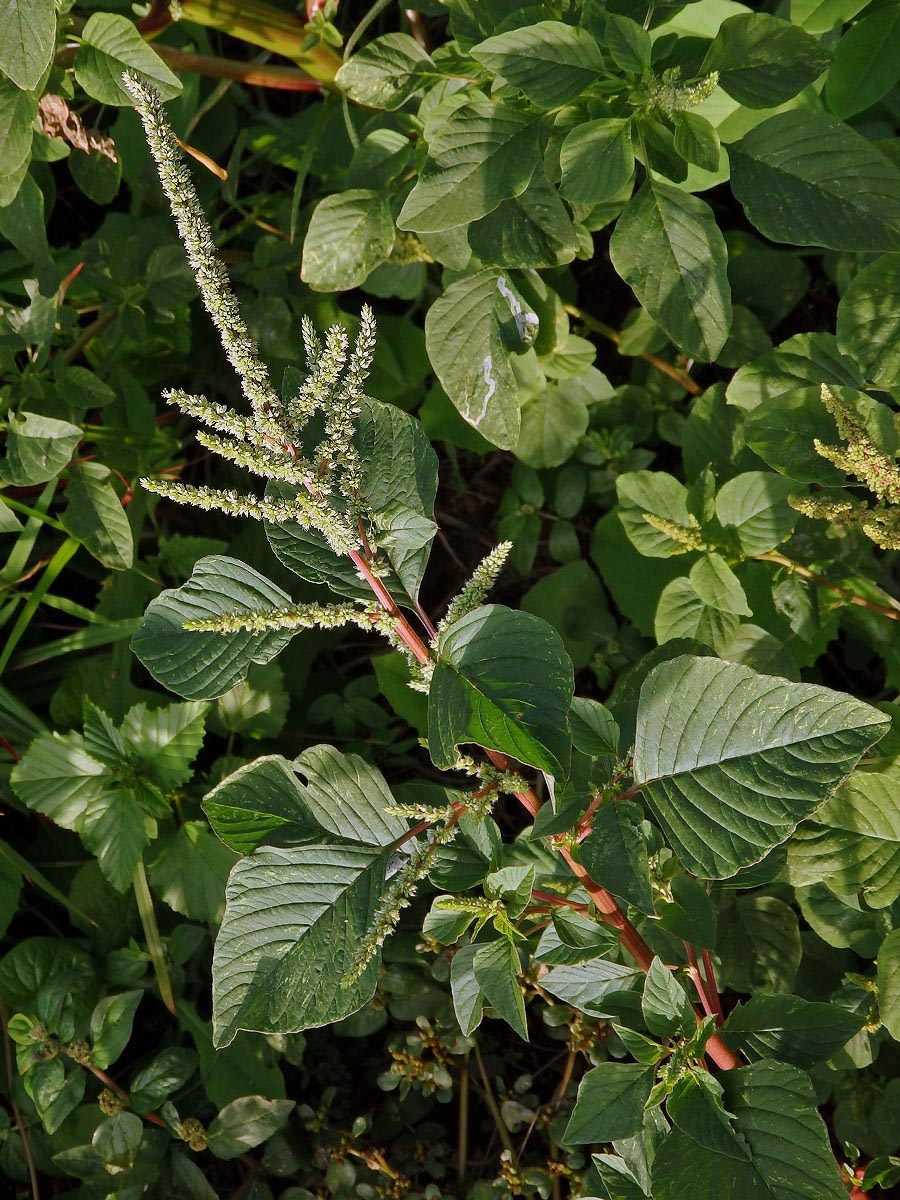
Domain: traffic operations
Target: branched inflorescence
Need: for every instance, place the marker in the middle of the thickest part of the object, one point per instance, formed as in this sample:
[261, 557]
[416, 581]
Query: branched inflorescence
[321, 492]
[873, 467]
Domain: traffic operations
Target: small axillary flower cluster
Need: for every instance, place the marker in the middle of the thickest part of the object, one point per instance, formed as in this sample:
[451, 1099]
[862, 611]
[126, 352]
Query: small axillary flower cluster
[323, 494]
[873, 467]
[672, 94]
[472, 595]
[688, 536]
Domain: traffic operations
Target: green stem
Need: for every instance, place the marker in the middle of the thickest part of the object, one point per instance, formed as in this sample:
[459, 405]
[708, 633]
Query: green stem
[491, 1101]
[151, 933]
[49, 577]
[24, 544]
[270, 28]
[33, 514]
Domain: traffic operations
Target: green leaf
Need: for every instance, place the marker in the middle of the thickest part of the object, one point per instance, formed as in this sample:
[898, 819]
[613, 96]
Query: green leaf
[256, 708]
[167, 739]
[294, 920]
[661, 495]
[503, 681]
[695, 1107]
[790, 1029]
[866, 63]
[629, 45]
[763, 61]
[697, 141]
[116, 829]
[754, 505]
[806, 178]
[666, 1008]
[55, 1094]
[111, 1024]
[806, 359]
[27, 41]
[594, 730]
[681, 613]
[400, 483]
[596, 160]
[468, 998]
[889, 983]
[386, 72]
[95, 516]
[821, 16]
[482, 154]
[533, 229]
[246, 1123]
[731, 761]
[203, 665]
[189, 872]
[349, 235]
[668, 247]
[37, 448]
[690, 914]
[759, 944]
[111, 45]
[265, 802]
[550, 62]
[615, 853]
[496, 968]
[853, 842]
[868, 320]
[57, 777]
[775, 1119]
[18, 110]
[116, 1141]
[610, 1103]
[164, 1074]
[718, 586]
[586, 986]
[471, 332]
[783, 431]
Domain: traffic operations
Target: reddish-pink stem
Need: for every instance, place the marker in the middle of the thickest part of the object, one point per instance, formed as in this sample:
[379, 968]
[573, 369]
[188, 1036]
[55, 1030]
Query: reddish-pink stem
[712, 988]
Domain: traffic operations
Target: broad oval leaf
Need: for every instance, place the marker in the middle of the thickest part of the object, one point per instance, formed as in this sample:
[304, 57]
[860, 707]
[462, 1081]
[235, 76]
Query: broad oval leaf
[868, 320]
[471, 332]
[292, 928]
[793, 1030]
[349, 235]
[853, 842]
[482, 154]
[267, 802]
[779, 1144]
[596, 160]
[27, 41]
[111, 45]
[807, 178]
[754, 505]
[503, 680]
[549, 61]
[763, 61]
[37, 448]
[866, 62]
[200, 666]
[669, 249]
[731, 761]
[386, 72]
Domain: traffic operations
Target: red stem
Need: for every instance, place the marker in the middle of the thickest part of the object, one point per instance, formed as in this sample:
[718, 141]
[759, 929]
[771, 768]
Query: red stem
[694, 972]
[712, 988]
[604, 900]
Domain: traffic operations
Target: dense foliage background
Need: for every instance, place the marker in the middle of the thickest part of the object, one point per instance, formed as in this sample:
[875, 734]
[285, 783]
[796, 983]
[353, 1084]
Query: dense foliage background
[614, 251]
